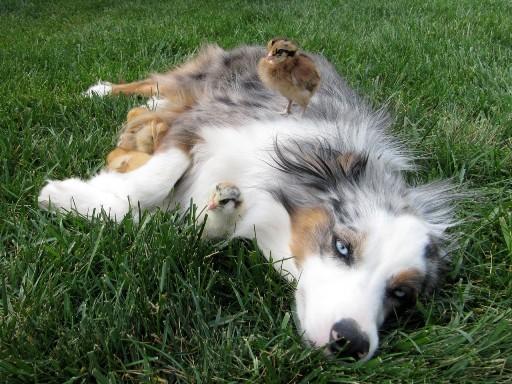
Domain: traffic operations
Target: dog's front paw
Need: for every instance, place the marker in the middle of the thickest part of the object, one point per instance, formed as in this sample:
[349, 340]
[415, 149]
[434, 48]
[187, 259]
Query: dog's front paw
[101, 88]
[58, 194]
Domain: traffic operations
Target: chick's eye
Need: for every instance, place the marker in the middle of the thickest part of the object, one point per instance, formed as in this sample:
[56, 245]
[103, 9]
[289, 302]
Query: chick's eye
[342, 248]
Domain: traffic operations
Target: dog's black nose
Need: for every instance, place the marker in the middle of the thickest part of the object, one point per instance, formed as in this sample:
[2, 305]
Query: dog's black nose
[347, 340]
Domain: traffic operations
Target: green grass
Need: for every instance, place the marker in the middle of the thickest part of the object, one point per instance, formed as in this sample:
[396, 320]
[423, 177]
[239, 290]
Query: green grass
[93, 301]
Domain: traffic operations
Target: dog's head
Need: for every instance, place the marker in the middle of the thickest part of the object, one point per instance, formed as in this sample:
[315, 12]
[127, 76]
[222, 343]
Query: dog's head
[366, 244]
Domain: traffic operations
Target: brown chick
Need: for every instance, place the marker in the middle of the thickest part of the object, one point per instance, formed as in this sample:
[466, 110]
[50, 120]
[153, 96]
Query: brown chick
[291, 73]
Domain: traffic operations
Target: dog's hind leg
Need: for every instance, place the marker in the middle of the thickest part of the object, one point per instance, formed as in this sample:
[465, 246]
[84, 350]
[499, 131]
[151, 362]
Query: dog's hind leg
[172, 91]
[147, 87]
[180, 87]
[116, 193]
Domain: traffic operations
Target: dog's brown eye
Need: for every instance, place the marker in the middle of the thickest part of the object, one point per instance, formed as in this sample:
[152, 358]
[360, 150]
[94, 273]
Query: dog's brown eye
[403, 294]
[399, 293]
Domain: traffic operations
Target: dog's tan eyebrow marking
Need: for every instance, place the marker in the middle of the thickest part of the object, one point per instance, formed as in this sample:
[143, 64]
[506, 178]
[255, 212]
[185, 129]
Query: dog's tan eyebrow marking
[410, 277]
[306, 223]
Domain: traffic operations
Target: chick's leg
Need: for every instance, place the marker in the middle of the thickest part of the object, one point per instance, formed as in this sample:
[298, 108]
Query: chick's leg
[303, 110]
[288, 108]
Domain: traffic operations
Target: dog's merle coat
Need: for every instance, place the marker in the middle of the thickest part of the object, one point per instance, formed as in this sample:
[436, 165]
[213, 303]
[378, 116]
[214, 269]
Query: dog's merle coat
[234, 95]
[325, 195]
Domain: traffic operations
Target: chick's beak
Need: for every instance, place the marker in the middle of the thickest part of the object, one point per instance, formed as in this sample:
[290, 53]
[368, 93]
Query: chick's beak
[213, 203]
[270, 56]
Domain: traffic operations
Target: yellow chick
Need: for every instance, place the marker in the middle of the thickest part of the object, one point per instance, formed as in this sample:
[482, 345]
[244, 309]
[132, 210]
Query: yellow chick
[123, 160]
[141, 134]
[137, 142]
[291, 73]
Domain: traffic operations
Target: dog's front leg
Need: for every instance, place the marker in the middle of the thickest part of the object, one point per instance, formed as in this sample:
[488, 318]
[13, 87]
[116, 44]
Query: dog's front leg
[268, 222]
[115, 193]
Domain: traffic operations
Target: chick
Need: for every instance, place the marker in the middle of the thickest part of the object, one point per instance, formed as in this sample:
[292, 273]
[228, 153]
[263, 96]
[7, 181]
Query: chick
[141, 133]
[291, 73]
[122, 160]
[136, 142]
[224, 209]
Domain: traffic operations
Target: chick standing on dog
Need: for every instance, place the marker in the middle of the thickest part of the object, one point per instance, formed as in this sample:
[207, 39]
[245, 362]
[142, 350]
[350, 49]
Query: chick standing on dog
[291, 73]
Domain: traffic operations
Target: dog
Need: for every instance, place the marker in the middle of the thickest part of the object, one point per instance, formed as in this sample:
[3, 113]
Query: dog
[324, 194]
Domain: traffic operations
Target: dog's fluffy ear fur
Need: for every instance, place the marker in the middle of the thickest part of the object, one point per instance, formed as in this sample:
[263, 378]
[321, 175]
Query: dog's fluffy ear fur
[352, 164]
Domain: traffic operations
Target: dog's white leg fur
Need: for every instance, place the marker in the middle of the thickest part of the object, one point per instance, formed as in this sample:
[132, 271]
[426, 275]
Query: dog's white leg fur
[101, 88]
[114, 192]
[104, 88]
[272, 231]
[156, 103]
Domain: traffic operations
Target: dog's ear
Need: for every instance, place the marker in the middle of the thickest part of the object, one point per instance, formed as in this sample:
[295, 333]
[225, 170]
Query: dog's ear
[353, 164]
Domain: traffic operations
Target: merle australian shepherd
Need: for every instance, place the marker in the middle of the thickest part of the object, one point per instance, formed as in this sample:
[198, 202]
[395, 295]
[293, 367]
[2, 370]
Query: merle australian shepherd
[323, 194]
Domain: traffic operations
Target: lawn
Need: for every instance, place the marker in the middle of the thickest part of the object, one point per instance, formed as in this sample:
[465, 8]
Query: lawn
[85, 301]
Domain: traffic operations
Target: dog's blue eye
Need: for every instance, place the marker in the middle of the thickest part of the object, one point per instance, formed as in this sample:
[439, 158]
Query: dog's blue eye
[342, 248]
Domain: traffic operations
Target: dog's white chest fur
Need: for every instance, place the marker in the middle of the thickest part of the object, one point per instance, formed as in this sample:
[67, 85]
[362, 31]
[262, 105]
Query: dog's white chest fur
[241, 156]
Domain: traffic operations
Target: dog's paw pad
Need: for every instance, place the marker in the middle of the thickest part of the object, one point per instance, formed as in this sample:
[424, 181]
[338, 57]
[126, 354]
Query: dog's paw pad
[101, 88]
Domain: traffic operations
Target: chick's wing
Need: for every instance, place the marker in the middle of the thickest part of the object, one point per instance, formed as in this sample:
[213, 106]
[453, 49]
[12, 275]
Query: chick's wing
[305, 74]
